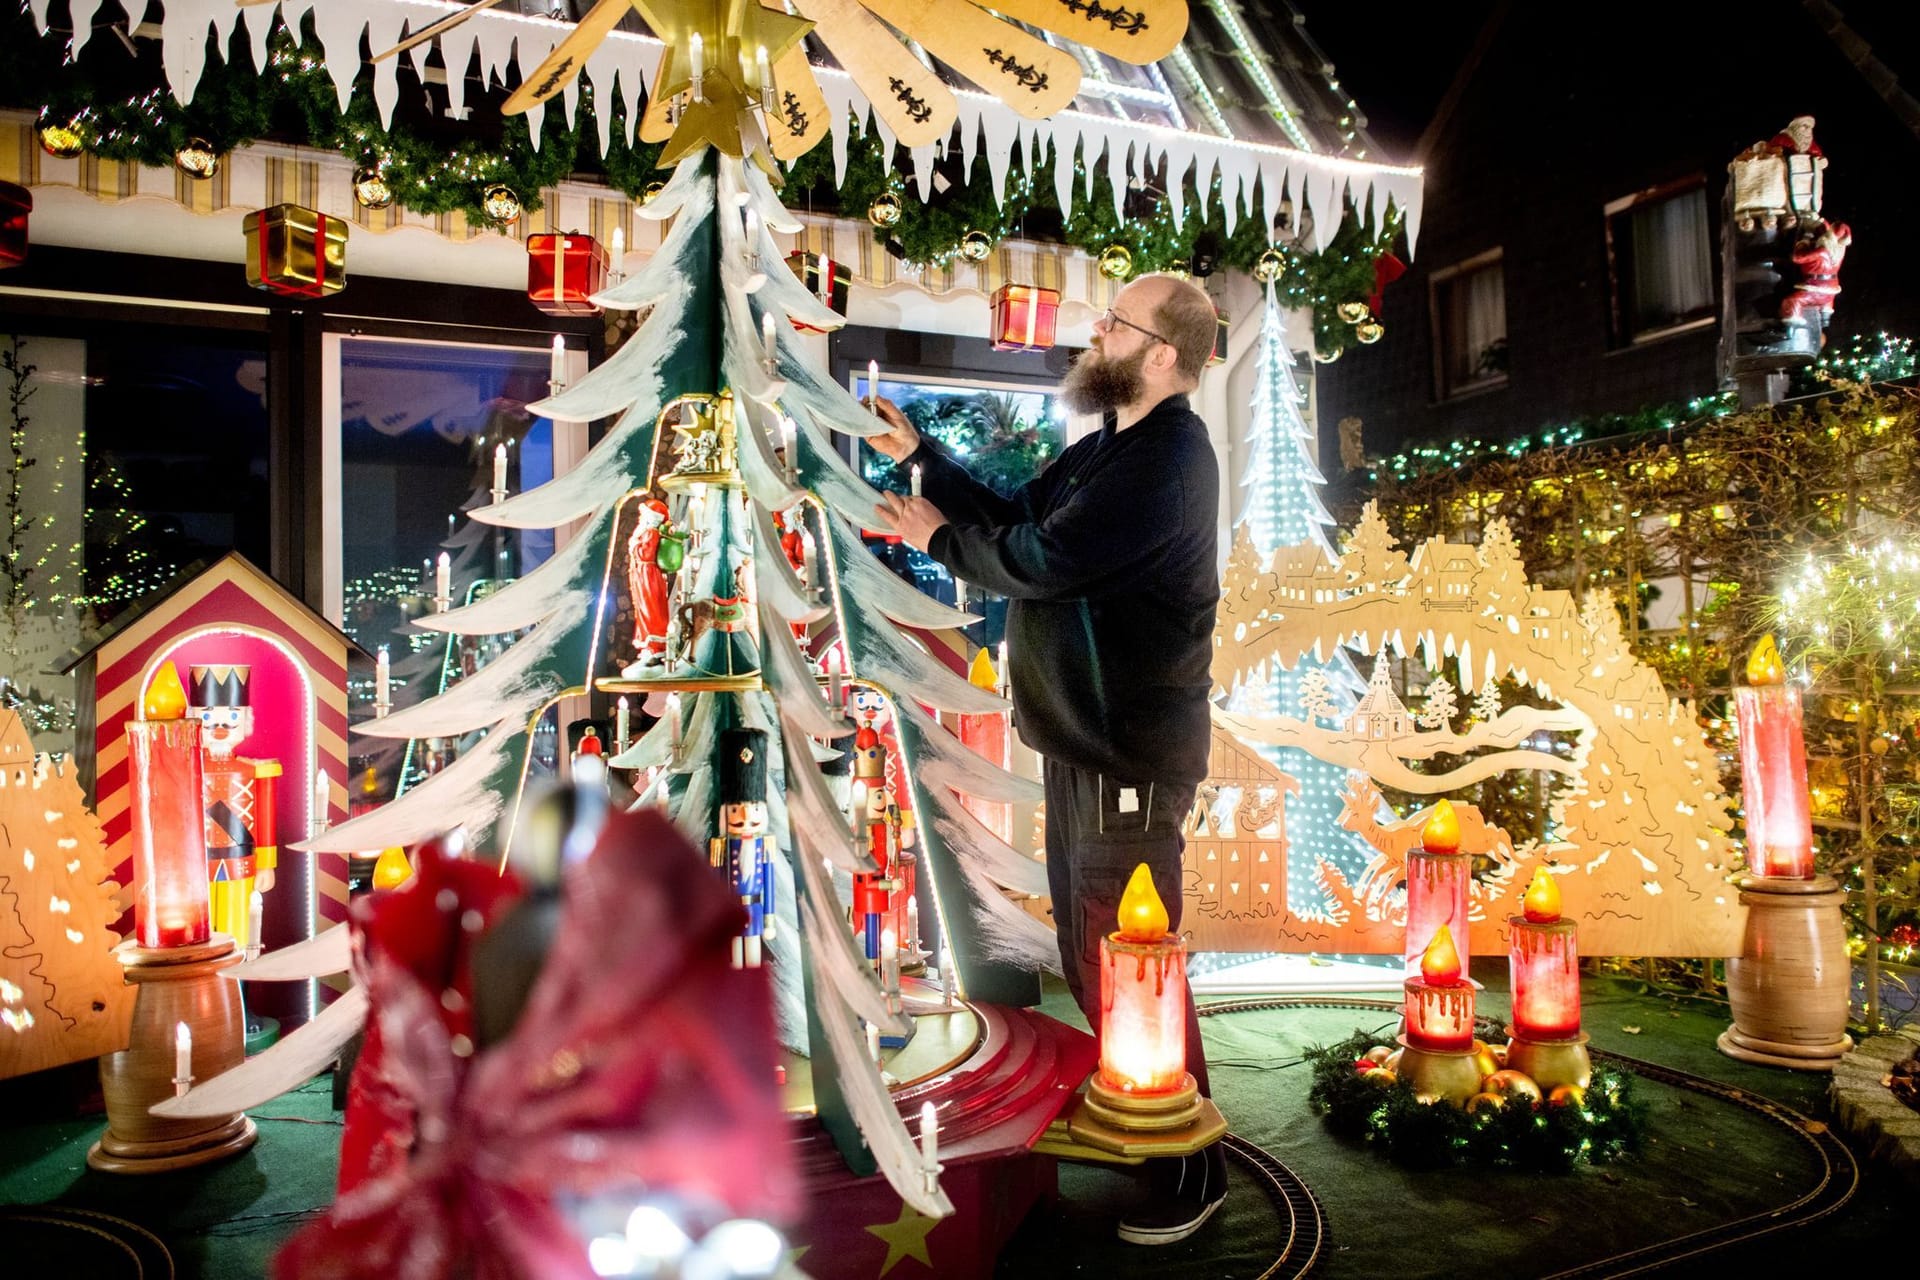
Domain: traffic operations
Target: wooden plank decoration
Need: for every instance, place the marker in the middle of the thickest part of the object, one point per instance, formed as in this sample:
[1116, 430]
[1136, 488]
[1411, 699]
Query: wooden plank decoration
[1639, 830]
[62, 994]
[1136, 31]
[558, 69]
[908, 97]
[1026, 73]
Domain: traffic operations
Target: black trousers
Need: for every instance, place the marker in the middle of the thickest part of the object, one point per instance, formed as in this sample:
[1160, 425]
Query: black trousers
[1098, 831]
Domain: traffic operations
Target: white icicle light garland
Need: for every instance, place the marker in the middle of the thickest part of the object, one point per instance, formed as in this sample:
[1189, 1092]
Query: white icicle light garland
[510, 45]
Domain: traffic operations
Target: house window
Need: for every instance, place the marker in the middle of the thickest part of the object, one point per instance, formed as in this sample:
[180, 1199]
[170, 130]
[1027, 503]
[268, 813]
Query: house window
[1469, 308]
[1659, 261]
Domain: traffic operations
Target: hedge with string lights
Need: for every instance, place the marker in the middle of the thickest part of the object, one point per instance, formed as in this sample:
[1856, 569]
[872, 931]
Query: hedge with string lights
[119, 108]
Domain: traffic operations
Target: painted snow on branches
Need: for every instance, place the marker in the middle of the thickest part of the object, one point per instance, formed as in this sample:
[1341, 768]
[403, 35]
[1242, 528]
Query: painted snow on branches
[1641, 824]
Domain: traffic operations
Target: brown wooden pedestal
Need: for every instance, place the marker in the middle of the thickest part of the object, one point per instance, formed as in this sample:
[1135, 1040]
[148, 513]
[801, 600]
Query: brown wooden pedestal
[176, 984]
[1791, 985]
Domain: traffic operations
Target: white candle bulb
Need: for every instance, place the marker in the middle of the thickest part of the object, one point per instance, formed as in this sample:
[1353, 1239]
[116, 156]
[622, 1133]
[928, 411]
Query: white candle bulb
[182, 1051]
[620, 725]
[382, 678]
[834, 692]
[913, 480]
[443, 578]
[929, 1138]
[873, 1042]
[697, 65]
[946, 979]
[873, 385]
[770, 345]
[1006, 677]
[673, 722]
[500, 468]
[913, 925]
[256, 906]
[322, 797]
[557, 367]
[619, 253]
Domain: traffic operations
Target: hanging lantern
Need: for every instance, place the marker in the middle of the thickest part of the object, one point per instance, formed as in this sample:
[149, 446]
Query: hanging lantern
[1219, 355]
[197, 159]
[1268, 266]
[1116, 262]
[370, 188]
[15, 204]
[296, 252]
[975, 246]
[501, 204]
[1369, 331]
[885, 211]
[1024, 317]
[825, 279]
[564, 272]
[1353, 311]
[61, 141]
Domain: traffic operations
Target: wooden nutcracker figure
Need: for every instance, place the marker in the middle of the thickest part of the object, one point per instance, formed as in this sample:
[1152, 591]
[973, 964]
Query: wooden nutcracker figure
[742, 847]
[242, 853]
[876, 812]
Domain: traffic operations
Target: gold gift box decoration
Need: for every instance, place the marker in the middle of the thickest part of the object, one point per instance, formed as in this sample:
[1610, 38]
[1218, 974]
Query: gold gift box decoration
[296, 252]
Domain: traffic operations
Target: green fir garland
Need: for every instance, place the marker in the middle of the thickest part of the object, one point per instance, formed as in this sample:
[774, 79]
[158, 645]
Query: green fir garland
[1610, 1123]
[121, 110]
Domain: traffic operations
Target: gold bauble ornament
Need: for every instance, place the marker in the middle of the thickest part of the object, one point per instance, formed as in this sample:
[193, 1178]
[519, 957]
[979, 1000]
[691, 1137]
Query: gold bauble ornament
[1179, 268]
[61, 141]
[1483, 1059]
[1488, 1102]
[1325, 357]
[652, 192]
[1353, 312]
[1268, 266]
[975, 246]
[1370, 331]
[1381, 1077]
[1392, 1062]
[1116, 262]
[197, 159]
[885, 211]
[1514, 1084]
[370, 189]
[1567, 1095]
[501, 203]
[1379, 1053]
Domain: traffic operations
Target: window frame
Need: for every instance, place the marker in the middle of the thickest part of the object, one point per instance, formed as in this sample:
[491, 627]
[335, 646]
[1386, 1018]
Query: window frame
[1621, 334]
[1438, 285]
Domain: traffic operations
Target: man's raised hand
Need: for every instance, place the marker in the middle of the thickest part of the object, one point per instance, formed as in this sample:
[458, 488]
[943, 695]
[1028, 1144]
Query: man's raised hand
[899, 442]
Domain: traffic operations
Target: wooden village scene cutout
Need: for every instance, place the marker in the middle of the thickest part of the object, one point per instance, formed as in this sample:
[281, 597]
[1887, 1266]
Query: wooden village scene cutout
[1639, 831]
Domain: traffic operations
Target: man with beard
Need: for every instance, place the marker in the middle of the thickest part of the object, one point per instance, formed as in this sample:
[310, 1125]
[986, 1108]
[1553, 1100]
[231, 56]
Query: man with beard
[1108, 561]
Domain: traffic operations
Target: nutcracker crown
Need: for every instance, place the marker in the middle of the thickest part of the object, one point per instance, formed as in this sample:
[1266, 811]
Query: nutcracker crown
[224, 685]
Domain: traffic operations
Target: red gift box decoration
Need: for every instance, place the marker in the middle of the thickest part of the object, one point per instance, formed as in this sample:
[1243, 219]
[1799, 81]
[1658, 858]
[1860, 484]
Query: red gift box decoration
[296, 252]
[15, 204]
[825, 279]
[1024, 317]
[564, 272]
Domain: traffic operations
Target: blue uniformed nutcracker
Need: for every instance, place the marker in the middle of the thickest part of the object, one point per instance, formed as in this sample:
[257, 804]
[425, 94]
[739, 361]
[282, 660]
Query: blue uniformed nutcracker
[742, 847]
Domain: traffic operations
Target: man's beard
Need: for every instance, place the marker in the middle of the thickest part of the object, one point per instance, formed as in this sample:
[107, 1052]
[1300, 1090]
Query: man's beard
[1097, 382]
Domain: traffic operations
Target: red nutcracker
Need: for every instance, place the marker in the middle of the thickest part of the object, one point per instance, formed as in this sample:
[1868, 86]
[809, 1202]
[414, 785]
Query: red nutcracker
[242, 848]
[872, 890]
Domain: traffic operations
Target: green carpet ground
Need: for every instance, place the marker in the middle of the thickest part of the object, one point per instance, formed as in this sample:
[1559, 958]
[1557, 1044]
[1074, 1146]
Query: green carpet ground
[1707, 1162]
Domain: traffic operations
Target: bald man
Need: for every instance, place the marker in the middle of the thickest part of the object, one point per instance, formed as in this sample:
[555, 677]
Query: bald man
[1108, 560]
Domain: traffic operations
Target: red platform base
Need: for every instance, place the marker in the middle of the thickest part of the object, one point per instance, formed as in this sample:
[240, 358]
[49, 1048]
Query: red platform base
[993, 1106]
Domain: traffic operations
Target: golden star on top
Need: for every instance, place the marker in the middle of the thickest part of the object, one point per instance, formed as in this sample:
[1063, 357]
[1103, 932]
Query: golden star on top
[731, 34]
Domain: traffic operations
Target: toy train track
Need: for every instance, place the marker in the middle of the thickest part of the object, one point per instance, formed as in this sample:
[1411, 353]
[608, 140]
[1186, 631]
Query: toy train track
[1838, 1177]
[1306, 1225]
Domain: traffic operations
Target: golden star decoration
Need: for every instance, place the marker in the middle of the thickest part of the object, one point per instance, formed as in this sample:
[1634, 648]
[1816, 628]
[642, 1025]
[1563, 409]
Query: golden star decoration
[906, 1237]
[732, 32]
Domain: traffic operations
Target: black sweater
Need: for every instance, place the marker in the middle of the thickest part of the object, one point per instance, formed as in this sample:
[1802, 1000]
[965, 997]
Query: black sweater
[1108, 560]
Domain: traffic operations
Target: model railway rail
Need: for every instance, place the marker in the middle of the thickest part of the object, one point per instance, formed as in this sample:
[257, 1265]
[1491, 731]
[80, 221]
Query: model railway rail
[1306, 1226]
[1837, 1180]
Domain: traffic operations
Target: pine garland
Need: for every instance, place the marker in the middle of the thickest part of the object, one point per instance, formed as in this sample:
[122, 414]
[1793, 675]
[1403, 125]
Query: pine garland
[122, 111]
[1610, 1123]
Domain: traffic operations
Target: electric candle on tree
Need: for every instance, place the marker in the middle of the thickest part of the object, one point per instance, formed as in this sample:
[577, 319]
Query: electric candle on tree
[1438, 880]
[1143, 996]
[168, 808]
[1440, 999]
[1773, 769]
[1545, 965]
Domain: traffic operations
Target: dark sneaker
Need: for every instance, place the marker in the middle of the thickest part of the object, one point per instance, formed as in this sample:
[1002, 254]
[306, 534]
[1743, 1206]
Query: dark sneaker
[1189, 1189]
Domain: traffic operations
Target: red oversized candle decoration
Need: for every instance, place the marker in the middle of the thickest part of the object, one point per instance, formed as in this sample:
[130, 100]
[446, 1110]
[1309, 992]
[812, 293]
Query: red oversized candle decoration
[1440, 999]
[1773, 769]
[168, 808]
[1438, 876]
[986, 735]
[1544, 961]
[1143, 996]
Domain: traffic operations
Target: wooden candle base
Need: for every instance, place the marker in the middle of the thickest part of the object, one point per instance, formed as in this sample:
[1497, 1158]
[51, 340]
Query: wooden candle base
[1135, 1124]
[1449, 1074]
[1551, 1062]
[176, 984]
[1791, 985]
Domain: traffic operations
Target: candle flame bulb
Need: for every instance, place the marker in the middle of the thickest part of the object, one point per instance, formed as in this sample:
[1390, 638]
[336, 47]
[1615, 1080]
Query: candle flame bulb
[1143, 917]
[1764, 665]
[980, 673]
[1442, 832]
[166, 698]
[1542, 901]
[1440, 963]
[391, 869]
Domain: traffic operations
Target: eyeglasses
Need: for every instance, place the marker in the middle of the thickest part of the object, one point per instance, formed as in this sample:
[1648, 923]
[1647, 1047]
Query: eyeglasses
[1113, 318]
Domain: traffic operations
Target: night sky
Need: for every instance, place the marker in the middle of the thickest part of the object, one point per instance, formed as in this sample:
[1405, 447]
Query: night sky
[1396, 58]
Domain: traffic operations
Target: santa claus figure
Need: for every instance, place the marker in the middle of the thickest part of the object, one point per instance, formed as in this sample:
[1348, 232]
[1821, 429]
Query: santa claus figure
[655, 552]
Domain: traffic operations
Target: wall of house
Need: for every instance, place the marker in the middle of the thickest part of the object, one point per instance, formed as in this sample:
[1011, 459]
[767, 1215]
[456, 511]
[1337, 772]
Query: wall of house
[1568, 111]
